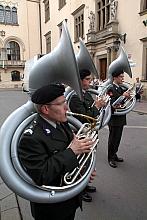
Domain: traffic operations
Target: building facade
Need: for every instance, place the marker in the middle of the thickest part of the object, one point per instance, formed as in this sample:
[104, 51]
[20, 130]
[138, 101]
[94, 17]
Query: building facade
[19, 40]
[104, 26]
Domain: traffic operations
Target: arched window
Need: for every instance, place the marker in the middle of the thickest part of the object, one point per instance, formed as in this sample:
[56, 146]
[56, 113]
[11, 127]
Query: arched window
[15, 75]
[14, 15]
[13, 51]
[1, 14]
[8, 19]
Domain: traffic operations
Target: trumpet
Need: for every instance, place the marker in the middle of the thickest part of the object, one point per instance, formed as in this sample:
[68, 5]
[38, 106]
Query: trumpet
[86, 159]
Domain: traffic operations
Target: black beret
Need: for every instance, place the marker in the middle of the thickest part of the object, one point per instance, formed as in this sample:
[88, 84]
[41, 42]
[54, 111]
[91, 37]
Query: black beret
[117, 72]
[84, 73]
[47, 94]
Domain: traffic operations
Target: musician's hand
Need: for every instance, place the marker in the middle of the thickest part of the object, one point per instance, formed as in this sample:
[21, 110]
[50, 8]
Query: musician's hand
[81, 146]
[116, 106]
[126, 94]
[100, 102]
[93, 175]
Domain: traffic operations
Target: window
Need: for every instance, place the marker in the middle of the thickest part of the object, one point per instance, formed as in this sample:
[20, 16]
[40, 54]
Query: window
[61, 3]
[47, 10]
[79, 23]
[1, 14]
[144, 59]
[48, 42]
[8, 15]
[13, 51]
[15, 75]
[102, 13]
[14, 15]
[60, 27]
[145, 5]
[146, 64]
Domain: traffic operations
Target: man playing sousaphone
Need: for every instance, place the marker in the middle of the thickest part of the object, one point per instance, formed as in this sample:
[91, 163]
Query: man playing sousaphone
[48, 149]
[89, 107]
[116, 122]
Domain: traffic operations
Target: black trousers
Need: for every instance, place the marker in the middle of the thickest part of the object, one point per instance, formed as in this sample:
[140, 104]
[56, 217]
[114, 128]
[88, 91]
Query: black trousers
[55, 211]
[138, 96]
[70, 217]
[115, 133]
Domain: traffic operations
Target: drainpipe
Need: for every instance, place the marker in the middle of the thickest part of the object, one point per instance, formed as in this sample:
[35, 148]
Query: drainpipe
[40, 27]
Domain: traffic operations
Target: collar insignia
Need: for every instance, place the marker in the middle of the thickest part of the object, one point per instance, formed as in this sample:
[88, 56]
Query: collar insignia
[47, 131]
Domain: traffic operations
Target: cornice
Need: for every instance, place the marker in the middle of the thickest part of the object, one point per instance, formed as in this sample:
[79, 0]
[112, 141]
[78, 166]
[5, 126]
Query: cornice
[143, 39]
[78, 9]
[37, 1]
[9, 3]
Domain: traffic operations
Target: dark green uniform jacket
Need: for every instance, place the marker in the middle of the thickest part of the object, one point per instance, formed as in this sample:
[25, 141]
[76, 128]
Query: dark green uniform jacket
[85, 107]
[43, 152]
[115, 92]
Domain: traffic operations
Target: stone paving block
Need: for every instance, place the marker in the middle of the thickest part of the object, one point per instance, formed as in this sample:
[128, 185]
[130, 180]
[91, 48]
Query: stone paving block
[1, 181]
[11, 214]
[4, 191]
[9, 202]
[25, 209]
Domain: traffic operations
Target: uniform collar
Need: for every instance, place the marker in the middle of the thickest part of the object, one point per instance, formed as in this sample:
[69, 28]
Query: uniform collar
[49, 121]
[116, 84]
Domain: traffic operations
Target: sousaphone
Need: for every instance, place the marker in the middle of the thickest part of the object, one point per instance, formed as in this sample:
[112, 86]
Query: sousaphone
[120, 65]
[85, 61]
[58, 66]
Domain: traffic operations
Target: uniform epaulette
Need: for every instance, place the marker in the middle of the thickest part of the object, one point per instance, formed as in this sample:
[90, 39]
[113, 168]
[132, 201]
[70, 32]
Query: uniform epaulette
[30, 130]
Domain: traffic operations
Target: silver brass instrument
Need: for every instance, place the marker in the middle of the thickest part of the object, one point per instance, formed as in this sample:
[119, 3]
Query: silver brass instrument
[121, 64]
[123, 101]
[85, 61]
[58, 66]
[86, 130]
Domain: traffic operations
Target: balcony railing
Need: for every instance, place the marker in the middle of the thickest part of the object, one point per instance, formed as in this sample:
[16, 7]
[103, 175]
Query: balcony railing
[12, 63]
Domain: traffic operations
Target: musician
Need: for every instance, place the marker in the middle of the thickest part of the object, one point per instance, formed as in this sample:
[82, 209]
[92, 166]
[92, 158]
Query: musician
[48, 149]
[116, 122]
[87, 107]
[139, 89]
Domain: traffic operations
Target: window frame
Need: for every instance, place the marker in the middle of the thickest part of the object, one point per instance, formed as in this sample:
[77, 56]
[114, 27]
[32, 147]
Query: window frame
[14, 16]
[143, 7]
[48, 41]
[62, 3]
[13, 50]
[78, 15]
[8, 15]
[102, 14]
[46, 10]
[2, 10]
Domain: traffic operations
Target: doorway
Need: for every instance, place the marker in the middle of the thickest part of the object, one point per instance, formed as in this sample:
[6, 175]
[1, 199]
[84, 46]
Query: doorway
[103, 68]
